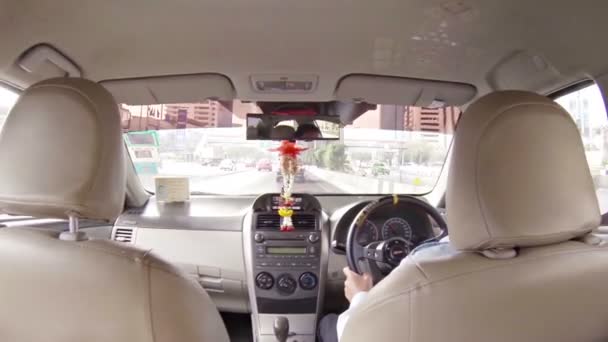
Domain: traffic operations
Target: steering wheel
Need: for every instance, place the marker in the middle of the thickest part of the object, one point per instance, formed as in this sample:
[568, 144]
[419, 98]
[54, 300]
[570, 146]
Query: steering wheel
[379, 258]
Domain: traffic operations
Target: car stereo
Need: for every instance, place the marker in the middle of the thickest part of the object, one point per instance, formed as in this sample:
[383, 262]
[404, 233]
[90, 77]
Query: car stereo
[286, 264]
[286, 269]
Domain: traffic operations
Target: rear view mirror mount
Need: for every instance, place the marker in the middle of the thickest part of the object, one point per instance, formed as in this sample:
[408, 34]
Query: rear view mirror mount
[292, 127]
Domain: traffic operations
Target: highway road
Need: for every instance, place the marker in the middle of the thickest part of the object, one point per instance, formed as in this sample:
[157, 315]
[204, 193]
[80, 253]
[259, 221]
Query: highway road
[256, 182]
[243, 180]
[208, 179]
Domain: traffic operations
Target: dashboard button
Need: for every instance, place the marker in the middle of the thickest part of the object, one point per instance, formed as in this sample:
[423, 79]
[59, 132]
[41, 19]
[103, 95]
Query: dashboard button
[308, 281]
[313, 237]
[264, 280]
[258, 237]
[286, 284]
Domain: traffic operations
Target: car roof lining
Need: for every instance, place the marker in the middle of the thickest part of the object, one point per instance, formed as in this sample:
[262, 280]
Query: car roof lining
[434, 40]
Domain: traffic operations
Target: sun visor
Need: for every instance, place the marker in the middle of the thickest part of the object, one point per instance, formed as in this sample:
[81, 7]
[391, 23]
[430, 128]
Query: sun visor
[171, 89]
[403, 91]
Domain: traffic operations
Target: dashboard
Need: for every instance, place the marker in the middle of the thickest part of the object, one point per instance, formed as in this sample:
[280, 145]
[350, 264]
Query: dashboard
[207, 238]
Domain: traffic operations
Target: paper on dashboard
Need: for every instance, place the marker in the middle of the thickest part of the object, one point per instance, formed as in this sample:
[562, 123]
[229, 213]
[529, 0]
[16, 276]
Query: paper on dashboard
[172, 189]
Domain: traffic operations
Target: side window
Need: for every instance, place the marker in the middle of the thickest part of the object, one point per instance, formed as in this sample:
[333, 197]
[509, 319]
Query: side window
[7, 100]
[588, 111]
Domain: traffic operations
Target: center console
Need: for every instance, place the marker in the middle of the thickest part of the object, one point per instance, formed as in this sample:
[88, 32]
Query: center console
[285, 270]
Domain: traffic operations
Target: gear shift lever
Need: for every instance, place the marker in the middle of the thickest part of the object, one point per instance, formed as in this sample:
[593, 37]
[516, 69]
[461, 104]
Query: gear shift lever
[281, 328]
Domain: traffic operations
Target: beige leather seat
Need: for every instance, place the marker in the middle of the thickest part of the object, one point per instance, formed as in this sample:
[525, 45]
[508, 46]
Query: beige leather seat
[62, 155]
[521, 264]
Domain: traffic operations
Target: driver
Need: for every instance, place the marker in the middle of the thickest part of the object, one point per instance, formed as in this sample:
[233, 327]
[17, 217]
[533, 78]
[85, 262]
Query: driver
[356, 287]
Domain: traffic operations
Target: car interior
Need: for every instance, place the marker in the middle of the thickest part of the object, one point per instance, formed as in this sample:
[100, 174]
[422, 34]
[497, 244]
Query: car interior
[210, 170]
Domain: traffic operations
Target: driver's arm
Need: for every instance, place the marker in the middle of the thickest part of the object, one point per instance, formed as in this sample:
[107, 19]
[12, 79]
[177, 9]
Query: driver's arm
[356, 287]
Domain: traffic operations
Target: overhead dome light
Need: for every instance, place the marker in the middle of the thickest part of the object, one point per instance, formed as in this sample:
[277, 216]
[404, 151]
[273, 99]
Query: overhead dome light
[284, 83]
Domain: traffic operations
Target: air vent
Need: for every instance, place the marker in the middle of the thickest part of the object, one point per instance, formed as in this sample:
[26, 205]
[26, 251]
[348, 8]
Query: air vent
[268, 222]
[273, 222]
[304, 221]
[123, 234]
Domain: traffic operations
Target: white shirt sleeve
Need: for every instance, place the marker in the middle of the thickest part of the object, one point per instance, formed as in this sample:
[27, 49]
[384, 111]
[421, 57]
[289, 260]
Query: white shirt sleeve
[343, 318]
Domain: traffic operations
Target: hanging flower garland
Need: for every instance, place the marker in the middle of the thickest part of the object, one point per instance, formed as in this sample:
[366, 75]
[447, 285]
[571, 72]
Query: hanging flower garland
[288, 154]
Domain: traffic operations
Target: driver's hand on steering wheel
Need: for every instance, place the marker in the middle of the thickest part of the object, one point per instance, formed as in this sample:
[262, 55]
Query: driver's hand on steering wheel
[356, 283]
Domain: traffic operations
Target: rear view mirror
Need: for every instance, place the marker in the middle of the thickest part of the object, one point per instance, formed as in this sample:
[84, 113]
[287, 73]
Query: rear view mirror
[286, 127]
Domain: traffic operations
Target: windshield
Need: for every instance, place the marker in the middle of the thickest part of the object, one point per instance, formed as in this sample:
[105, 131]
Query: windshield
[390, 149]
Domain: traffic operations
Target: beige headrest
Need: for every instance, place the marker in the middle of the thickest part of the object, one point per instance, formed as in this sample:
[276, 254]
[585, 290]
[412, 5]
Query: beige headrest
[518, 175]
[62, 152]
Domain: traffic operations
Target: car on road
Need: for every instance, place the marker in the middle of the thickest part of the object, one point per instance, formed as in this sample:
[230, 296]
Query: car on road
[211, 162]
[380, 169]
[264, 165]
[227, 165]
[249, 163]
[362, 171]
